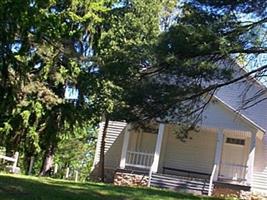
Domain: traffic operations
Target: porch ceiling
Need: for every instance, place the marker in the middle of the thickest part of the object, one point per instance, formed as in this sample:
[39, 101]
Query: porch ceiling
[236, 133]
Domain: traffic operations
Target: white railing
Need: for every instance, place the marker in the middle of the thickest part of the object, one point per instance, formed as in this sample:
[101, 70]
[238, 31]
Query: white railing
[234, 172]
[139, 159]
[211, 179]
[149, 177]
[13, 159]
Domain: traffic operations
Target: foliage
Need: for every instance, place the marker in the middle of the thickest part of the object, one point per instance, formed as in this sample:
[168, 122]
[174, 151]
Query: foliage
[39, 57]
[126, 46]
[76, 151]
[222, 33]
[158, 72]
[194, 57]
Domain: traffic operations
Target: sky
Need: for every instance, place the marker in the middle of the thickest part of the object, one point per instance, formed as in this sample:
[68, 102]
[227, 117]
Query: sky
[71, 93]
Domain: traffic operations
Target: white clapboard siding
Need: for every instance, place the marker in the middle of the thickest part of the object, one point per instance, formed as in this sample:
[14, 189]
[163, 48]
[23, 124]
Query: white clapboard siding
[142, 142]
[233, 95]
[114, 139]
[196, 154]
[259, 182]
[218, 115]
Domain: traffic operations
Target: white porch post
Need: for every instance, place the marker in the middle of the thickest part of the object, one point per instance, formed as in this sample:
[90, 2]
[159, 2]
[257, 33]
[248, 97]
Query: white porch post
[251, 156]
[218, 152]
[154, 167]
[125, 146]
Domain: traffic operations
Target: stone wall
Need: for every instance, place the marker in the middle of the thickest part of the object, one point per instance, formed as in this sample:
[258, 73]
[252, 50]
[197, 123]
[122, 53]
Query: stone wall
[130, 179]
[252, 195]
[226, 190]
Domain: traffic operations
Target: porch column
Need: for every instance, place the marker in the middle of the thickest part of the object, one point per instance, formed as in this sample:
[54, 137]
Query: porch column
[218, 152]
[251, 156]
[125, 146]
[154, 167]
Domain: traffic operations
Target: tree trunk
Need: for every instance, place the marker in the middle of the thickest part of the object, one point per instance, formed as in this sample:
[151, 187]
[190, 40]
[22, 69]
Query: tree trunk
[102, 151]
[27, 162]
[12, 144]
[47, 161]
[30, 165]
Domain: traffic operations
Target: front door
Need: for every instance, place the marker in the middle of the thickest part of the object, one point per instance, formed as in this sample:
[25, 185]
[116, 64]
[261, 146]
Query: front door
[233, 163]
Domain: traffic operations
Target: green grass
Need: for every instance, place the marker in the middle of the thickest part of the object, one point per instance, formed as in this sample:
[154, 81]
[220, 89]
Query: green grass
[14, 187]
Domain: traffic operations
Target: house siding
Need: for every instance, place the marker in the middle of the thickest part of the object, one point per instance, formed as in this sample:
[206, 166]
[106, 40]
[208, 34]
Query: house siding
[113, 146]
[260, 165]
[260, 154]
[217, 115]
[233, 95]
[139, 141]
[196, 154]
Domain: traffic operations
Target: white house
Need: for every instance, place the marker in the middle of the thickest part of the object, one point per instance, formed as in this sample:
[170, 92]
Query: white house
[229, 151]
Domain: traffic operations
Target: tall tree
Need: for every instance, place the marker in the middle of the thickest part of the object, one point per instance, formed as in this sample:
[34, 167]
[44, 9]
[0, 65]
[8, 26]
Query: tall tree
[40, 57]
[219, 31]
[124, 49]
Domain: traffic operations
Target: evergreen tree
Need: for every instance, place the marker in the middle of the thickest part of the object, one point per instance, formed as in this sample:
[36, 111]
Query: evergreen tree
[40, 57]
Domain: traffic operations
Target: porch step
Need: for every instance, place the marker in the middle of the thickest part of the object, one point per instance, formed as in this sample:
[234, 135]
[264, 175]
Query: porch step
[179, 183]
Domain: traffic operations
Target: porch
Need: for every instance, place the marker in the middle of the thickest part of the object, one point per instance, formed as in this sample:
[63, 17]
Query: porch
[223, 155]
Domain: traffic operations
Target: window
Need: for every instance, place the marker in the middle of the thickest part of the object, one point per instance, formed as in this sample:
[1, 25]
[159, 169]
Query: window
[235, 141]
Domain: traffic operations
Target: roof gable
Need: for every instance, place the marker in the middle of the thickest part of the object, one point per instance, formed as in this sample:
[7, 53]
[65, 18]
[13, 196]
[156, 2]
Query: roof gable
[232, 95]
[218, 115]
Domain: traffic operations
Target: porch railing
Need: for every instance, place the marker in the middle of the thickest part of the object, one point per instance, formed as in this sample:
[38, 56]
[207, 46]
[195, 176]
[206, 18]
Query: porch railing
[211, 180]
[234, 172]
[139, 159]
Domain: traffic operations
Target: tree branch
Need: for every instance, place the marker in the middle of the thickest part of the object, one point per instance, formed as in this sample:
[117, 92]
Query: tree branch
[217, 86]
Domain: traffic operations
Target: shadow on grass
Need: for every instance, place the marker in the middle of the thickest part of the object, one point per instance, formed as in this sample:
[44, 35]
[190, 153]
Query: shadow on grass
[23, 188]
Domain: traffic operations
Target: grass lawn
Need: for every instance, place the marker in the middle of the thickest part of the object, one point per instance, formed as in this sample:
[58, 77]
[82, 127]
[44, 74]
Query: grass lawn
[13, 187]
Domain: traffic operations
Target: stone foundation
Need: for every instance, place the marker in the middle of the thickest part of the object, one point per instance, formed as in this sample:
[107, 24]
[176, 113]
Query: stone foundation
[226, 190]
[251, 196]
[129, 179]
